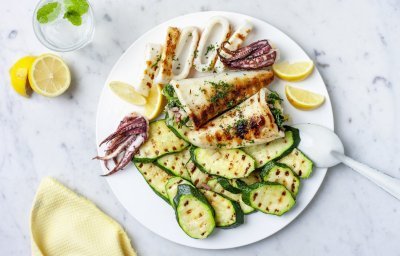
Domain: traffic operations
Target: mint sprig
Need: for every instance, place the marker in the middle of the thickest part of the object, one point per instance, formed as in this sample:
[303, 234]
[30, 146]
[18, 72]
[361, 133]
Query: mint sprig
[74, 11]
[48, 12]
[73, 17]
[79, 6]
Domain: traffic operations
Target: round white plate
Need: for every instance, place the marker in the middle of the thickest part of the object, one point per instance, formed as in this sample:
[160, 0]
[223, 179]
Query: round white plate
[130, 187]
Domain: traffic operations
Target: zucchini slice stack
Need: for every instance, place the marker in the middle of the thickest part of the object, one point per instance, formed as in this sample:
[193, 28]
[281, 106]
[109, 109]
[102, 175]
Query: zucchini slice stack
[211, 188]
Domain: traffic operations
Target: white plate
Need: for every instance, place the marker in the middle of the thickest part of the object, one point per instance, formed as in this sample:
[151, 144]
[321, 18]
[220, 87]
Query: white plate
[130, 187]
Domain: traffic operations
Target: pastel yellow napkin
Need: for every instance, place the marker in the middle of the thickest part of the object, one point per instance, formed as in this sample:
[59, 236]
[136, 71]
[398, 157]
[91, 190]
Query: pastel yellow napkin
[63, 223]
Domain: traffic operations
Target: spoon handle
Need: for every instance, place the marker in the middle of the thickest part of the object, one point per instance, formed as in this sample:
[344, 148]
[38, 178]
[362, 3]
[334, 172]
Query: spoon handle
[386, 182]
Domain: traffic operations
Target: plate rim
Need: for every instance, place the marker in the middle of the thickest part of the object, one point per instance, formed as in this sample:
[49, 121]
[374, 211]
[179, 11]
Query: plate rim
[150, 31]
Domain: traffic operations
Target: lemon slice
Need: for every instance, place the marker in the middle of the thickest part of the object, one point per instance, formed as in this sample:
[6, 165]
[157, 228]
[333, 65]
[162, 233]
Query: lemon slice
[127, 93]
[293, 71]
[19, 75]
[155, 102]
[303, 99]
[49, 75]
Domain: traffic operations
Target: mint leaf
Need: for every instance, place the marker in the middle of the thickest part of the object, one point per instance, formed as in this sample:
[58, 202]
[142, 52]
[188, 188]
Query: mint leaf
[48, 12]
[73, 17]
[79, 6]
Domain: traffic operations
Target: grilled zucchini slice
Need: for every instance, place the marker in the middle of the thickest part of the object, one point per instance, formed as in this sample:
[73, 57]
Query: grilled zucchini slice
[299, 163]
[228, 213]
[155, 177]
[270, 198]
[171, 188]
[227, 163]
[216, 186]
[275, 149]
[282, 174]
[193, 212]
[197, 177]
[161, 141]
[175, 163]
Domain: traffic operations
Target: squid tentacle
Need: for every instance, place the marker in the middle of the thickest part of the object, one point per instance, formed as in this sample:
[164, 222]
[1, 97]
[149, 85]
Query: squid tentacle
[130, 134]
[257, 55]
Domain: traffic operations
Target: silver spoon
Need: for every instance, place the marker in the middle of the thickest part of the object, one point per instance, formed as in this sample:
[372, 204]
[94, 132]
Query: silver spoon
[324, 147]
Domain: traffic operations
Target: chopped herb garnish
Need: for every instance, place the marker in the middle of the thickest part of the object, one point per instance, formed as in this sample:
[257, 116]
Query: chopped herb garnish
[210, 48]
[274, 101]
[227, 130]
[221, 88]
[241, 127]
[278, 116]
[169, 91]
[174, 102]
[183, 122]
[156, 62]
[195, 53]
[272, 97]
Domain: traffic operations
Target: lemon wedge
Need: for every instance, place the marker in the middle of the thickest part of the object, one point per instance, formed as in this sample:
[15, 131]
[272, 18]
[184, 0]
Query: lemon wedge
[127, 93]
[303, 99]
[296, 71]
[19, 75]
[49, 75]
[155, 102]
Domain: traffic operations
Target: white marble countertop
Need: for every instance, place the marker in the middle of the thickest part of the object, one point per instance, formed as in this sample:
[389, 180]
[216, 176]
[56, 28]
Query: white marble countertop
[356, 47]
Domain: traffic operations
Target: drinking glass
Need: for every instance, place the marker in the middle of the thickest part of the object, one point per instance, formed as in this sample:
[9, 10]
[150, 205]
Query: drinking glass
[60, 34]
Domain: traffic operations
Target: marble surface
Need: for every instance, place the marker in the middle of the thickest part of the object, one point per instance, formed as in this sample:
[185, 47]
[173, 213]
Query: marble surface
[355, 46]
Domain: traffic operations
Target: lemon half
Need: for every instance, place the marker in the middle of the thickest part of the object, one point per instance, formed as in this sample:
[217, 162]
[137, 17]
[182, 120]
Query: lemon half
[49, 75]
[296, 71]
[303, 99]
[19, 75]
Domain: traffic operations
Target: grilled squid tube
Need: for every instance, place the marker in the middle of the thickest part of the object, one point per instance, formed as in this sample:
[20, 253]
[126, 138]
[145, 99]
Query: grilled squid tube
[234, 42]
[184, 53]
[168, 54]
[206, 53]
[152, 57]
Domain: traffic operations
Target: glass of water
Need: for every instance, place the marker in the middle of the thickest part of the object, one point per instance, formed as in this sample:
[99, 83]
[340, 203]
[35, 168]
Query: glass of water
[64, 25]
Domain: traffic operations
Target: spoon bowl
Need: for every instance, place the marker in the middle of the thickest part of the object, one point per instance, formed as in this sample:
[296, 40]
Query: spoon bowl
[318, 142]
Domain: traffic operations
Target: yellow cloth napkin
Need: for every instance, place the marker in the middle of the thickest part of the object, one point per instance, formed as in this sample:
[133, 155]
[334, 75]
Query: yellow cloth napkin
[63, 223]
